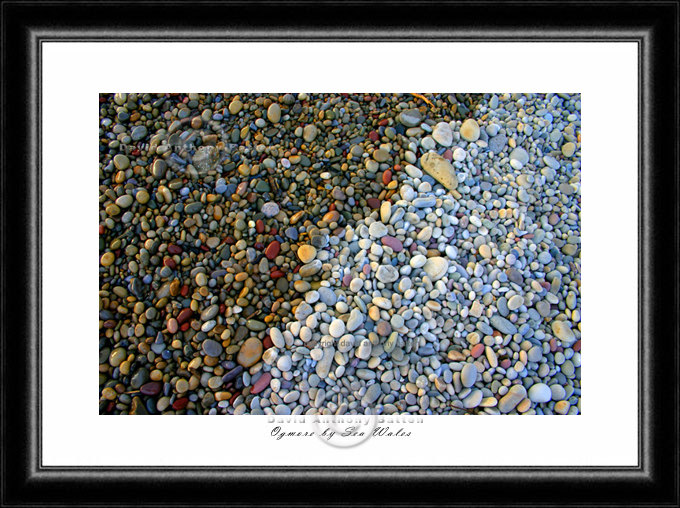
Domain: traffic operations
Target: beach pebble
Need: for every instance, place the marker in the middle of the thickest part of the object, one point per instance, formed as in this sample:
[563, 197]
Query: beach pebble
[436, 267]
[410, 117]
[309, 133]
[502, 325]
[459, 155]
[337, 328]
[274, 113]
[540, 393]
[515, 302]
[563, 331]
[324, 365]
[306, 253]
[468, 375]
[364, 350]
[356, 319]
[510, 400]
[520, 155]
[387, 274]
[250, 353]
[440, 169]
[568, 149]
[469, 130]
[443, 134]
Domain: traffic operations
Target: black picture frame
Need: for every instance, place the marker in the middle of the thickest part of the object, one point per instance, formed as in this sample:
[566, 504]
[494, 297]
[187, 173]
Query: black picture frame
[653, 26]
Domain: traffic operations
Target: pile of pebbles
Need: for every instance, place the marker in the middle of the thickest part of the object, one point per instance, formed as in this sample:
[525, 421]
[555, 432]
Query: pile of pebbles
[339, 254]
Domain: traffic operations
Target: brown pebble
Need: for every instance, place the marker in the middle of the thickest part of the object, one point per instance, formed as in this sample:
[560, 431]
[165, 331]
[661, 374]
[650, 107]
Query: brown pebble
[261, 383]
[184, 315]
[267, 342]
[272, 250]
[250, 352]
[331, 216]
[152, 388]
[477, 350]
[383, 328]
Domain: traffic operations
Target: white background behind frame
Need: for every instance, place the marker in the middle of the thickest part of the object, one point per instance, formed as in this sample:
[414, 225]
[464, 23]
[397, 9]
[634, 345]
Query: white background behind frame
[606, 74]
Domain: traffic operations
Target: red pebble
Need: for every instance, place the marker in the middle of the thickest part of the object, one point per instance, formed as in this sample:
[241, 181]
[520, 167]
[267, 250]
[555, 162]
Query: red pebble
[258, 246]
[577, 346]
[205, 248]
[553, 345]
[223, 308]
[331, 207]
[259, 226]
[152, 388]
[170, 263]
[366, 269]
[393, 243]
[374, 136]
[110, 407]
[184, 291]
[346, 280]
[273, 250]
[387, 177]
[101, 229]
[184, 315]
[296, 269]
[273, 231]
[184, 327]
[397, 167]
[383, 122]
[135, 152]
[277, 274]
[506, 364]
[261, 383]
[373, 202]
[229, 240]
[448, 155]
[267, 342]
[180, 404]
[174, 249]
[477, 350]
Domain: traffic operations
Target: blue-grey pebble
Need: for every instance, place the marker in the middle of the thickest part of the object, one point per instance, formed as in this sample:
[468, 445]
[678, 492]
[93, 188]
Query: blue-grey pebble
[502, 325]
[212, 348]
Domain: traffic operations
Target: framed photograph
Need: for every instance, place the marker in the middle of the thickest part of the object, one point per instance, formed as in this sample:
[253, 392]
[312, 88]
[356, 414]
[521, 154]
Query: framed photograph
[335, 229]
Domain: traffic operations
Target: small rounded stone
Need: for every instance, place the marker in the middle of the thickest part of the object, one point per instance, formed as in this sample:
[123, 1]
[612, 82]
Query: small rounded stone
[540, 393]
[250, 353]
[306, 253]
